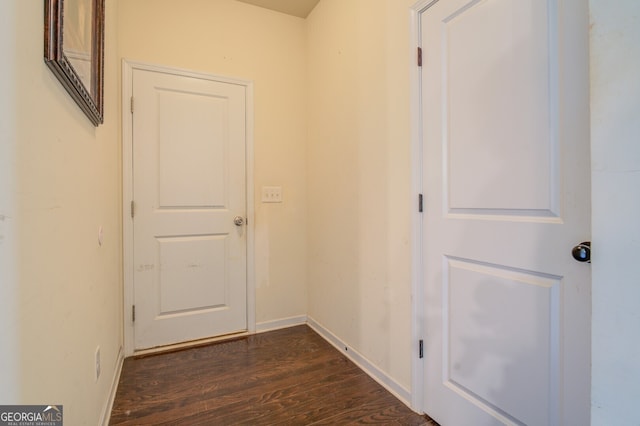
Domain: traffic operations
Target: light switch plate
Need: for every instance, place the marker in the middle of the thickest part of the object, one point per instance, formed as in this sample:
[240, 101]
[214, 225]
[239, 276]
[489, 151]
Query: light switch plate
[271, 194]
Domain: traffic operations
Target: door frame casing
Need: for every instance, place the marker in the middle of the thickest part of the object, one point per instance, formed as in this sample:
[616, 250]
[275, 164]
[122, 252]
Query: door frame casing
[128, 67]
[417, 269]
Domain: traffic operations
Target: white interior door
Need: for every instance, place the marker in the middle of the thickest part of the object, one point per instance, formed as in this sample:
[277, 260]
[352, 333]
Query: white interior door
[189, 187]
[506, 181]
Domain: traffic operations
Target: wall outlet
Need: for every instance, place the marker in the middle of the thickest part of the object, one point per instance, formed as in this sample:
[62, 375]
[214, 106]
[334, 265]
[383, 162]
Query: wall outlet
[97, 363]
[271, 194]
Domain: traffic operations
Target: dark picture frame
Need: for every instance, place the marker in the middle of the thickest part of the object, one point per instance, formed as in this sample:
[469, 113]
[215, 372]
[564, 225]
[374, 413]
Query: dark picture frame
[79, 62]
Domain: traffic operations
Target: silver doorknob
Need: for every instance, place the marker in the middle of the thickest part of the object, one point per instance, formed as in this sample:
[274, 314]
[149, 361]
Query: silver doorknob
[238, 220]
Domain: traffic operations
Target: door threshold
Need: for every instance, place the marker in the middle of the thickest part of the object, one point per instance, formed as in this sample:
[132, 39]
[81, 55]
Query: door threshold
[188, 345]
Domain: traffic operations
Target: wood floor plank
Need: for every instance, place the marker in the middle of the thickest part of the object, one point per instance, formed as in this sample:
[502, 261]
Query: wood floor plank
[289, 377]
[235, 396]
[301, 407]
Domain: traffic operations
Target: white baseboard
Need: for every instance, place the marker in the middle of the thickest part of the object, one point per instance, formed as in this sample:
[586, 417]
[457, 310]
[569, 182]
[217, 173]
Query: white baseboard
[365, 365]
[280, 323]
[106, 411]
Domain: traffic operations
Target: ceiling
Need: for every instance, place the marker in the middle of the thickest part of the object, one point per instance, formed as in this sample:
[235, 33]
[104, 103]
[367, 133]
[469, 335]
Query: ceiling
[299, 8]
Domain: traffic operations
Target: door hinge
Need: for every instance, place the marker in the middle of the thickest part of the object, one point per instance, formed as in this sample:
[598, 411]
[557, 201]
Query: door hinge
[132, 105]
[421, 349]
[133, 314]
[420, 203]
[419, 56]
[132, 209]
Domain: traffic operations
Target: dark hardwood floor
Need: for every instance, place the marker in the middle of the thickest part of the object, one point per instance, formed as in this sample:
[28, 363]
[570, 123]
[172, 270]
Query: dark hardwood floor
[290, 377]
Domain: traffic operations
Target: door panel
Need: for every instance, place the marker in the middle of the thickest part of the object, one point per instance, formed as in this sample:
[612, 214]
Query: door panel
[189, 184]
[191, 133]
[506, 163]
[501, 329]
[490, 61]
[203, 256]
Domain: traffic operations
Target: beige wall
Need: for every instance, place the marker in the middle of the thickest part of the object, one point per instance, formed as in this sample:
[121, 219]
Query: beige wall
[359, 167]
[61, 292]
[237, 40]
[9, 343]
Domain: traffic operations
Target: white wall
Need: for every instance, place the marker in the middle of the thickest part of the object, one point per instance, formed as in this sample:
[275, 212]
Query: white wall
[615, 153]
[59, 181]
[359, 166]
[234, 39]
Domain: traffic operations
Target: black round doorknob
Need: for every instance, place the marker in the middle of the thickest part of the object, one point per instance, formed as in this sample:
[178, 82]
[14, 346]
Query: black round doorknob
[582, 252]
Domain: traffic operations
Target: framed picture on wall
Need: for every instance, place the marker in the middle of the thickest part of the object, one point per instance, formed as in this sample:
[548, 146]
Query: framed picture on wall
[74, 51]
